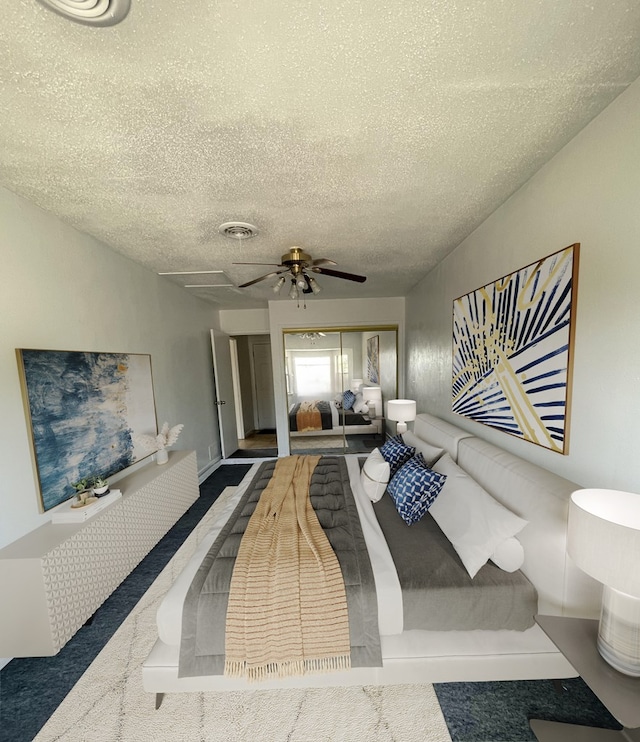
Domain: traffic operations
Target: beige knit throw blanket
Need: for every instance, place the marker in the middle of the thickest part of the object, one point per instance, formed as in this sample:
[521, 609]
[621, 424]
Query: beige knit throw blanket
[308, 417]
[287, 612]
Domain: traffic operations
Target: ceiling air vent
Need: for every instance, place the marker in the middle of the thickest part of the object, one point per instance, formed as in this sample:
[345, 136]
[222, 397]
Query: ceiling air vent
[238, 230]
[90, 12]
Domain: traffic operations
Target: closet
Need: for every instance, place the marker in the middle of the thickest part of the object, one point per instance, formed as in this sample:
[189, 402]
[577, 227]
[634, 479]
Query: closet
[337, 382]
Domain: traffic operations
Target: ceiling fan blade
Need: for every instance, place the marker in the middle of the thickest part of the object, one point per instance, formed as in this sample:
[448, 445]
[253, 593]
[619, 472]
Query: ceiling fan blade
[338, 274]
[256, 264]
[261, 278]
[322, 261]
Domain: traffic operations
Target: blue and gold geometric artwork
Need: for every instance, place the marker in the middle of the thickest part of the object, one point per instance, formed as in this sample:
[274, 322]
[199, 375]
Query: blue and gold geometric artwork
[512, 351]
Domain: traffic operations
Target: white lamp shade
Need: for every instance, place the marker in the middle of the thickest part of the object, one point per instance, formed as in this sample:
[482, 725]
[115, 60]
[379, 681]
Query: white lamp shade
[401, 410]
[372, 396]
[603, 537]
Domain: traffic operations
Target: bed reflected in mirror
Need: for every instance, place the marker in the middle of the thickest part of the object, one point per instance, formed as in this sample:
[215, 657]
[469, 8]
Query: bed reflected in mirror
[337, 381]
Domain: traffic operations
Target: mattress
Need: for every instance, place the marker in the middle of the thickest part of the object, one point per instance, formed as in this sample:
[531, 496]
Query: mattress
[388, 592]
[438, 594]
[205, 612]
[324, 417]
[395, 612]
[331, 418]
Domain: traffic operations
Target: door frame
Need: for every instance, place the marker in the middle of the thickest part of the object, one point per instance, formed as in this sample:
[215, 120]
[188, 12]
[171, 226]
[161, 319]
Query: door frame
[224, 397]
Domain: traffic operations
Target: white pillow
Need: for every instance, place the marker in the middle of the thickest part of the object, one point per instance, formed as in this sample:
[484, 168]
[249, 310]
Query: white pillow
[475, 523]
[430, 453]
[375, 475]
[508, 555]
[361, 407]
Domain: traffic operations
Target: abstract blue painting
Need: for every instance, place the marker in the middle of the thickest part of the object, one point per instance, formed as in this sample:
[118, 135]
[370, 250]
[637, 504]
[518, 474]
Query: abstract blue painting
[512, 351]
[85, 411]
[373, 359]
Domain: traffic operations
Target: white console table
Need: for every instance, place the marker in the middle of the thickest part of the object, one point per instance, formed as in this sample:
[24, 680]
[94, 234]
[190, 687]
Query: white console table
[53, 579]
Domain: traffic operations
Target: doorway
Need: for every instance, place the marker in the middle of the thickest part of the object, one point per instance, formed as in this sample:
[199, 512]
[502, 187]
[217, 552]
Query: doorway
[255, 405]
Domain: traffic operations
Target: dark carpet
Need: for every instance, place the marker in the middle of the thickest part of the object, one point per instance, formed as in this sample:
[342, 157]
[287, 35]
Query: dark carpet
[500, 712]
[254, 453]
[32, 688]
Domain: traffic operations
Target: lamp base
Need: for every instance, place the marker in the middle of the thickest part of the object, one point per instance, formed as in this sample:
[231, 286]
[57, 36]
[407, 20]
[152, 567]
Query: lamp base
[619, 631]
[401, 428]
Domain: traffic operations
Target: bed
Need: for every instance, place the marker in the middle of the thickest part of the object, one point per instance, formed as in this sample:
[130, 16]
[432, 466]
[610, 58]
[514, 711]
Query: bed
[327, 419]
[423, 655]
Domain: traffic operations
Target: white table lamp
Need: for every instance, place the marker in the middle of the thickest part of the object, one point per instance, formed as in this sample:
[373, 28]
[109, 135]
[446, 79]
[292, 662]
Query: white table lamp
[401, 410]
[603, 539]
[372, 397]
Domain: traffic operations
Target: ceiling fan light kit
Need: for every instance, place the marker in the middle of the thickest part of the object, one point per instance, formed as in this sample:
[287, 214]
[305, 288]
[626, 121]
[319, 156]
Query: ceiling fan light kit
[298, 266]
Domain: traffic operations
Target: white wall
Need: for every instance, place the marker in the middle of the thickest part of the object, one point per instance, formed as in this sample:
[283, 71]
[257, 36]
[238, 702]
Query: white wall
[244, 321]
[326, 314]
[588, 193]
[64, 290]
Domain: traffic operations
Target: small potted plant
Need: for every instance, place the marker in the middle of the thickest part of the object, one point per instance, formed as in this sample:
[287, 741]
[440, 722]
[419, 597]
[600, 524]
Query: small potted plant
[82, 485]
[100, 486]
[84, 493]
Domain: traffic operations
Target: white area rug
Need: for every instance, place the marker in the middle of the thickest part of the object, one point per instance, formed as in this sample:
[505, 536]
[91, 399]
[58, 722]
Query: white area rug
[108, 703]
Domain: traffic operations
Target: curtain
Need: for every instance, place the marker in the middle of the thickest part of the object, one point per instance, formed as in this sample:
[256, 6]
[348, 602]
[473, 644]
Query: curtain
[317, 374]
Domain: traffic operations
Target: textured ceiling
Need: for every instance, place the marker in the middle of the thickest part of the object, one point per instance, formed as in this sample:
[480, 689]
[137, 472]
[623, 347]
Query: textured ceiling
[376, 134]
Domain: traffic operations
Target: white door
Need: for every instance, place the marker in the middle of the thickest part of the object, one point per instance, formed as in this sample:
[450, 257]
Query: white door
[263, 374]
[221, 350]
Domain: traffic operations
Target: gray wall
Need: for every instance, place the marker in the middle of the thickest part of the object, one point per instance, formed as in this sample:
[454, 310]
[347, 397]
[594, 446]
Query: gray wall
[64, 290]
[588, 193]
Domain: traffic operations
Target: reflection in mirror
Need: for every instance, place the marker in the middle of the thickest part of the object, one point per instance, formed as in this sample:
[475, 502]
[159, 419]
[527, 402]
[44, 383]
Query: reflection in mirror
[336, 384]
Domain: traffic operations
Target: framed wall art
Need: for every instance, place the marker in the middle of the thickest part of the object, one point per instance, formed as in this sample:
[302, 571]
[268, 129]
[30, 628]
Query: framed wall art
[513, 351]
[373, 359]
[85, 412]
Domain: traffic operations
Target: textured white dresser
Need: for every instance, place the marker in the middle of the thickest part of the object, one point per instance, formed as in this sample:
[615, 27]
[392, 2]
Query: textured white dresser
[53, 579]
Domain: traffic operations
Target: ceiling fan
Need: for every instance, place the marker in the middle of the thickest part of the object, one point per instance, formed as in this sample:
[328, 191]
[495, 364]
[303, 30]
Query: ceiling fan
[298, 265]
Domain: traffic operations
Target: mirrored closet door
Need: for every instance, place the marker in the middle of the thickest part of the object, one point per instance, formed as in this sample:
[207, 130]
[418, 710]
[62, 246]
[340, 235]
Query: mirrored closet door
[337, 382]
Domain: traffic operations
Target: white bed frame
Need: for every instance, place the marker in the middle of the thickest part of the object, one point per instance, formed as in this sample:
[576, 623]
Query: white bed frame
[374, 429]
[533, 493]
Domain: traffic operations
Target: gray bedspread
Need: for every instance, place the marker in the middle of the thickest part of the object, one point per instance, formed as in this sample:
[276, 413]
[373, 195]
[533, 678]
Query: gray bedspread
[438, 593]
[205, 609]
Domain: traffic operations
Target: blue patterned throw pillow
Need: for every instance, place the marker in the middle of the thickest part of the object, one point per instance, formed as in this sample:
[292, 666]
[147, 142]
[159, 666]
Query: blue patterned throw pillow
[414, 488]
[348, 398]
[396, 452]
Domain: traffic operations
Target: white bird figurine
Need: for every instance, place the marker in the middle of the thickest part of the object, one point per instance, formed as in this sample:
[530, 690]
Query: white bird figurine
[165, 438]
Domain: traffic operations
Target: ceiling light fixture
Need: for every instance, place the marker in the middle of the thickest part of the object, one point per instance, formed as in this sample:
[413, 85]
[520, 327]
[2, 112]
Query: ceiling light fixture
[279, 284]
[90, 12]
[315, 286]
[298, 265]
[311, 335]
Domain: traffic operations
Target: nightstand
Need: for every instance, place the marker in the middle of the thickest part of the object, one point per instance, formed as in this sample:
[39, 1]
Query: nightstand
[576, 639]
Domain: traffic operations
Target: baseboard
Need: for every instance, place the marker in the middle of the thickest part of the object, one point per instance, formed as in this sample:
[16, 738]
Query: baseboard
[208, 470]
